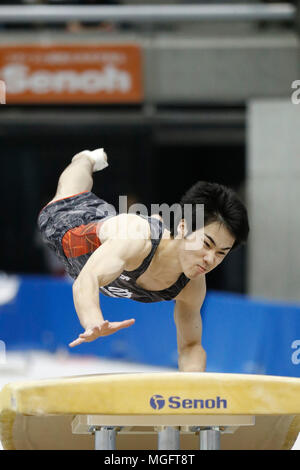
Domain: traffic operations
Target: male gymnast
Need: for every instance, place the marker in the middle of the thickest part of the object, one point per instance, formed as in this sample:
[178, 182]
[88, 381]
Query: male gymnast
[158, 264]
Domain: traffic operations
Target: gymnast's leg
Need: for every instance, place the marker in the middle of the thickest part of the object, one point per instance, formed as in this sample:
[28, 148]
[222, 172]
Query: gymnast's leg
[77, 177]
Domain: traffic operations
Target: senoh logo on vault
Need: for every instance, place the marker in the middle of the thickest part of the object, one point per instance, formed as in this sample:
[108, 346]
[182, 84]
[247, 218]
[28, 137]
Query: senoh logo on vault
[158, 402]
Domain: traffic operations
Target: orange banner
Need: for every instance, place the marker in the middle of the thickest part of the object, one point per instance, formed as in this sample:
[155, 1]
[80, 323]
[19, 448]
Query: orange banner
[72, 74]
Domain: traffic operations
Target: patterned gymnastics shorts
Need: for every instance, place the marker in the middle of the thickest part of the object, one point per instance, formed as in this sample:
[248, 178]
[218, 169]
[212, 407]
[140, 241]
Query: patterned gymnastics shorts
[58, 217]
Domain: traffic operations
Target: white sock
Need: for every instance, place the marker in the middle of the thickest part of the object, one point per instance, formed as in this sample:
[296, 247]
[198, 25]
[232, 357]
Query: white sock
[99, 157]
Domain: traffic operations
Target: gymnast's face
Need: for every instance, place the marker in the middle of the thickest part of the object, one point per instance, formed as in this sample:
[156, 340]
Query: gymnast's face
[203, 250]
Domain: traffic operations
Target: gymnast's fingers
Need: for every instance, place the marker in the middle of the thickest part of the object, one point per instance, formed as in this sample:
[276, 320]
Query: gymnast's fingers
[122, 324]
[76, 342]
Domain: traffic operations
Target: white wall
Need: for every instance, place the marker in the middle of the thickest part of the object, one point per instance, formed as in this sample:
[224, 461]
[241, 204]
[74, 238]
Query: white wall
[273, 193]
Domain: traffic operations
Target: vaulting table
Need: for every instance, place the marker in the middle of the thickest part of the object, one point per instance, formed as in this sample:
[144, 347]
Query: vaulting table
[172, 410]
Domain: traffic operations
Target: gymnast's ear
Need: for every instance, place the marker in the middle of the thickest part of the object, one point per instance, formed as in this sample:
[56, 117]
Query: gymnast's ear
[182, 230]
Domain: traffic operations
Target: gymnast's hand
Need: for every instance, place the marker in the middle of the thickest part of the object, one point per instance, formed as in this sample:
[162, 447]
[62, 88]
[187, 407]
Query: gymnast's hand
[103, 328]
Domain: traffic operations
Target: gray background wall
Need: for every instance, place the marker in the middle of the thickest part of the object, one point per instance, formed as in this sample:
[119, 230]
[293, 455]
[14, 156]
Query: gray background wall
[273, 194]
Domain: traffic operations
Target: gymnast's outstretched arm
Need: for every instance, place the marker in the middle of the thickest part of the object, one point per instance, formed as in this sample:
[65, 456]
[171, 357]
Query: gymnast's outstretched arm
[191, 355]
[105, 265]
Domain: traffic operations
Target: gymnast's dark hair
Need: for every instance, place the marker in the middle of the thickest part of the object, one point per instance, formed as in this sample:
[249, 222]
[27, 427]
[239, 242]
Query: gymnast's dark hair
[221, 204]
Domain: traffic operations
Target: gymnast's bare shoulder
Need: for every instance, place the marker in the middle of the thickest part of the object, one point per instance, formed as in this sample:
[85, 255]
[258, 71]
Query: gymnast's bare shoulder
[128, 230]
[193, 294]
[121, 226]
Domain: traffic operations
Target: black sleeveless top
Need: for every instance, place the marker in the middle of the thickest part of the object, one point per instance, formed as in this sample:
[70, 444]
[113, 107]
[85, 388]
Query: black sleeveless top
[57, 222]
[125, 285]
